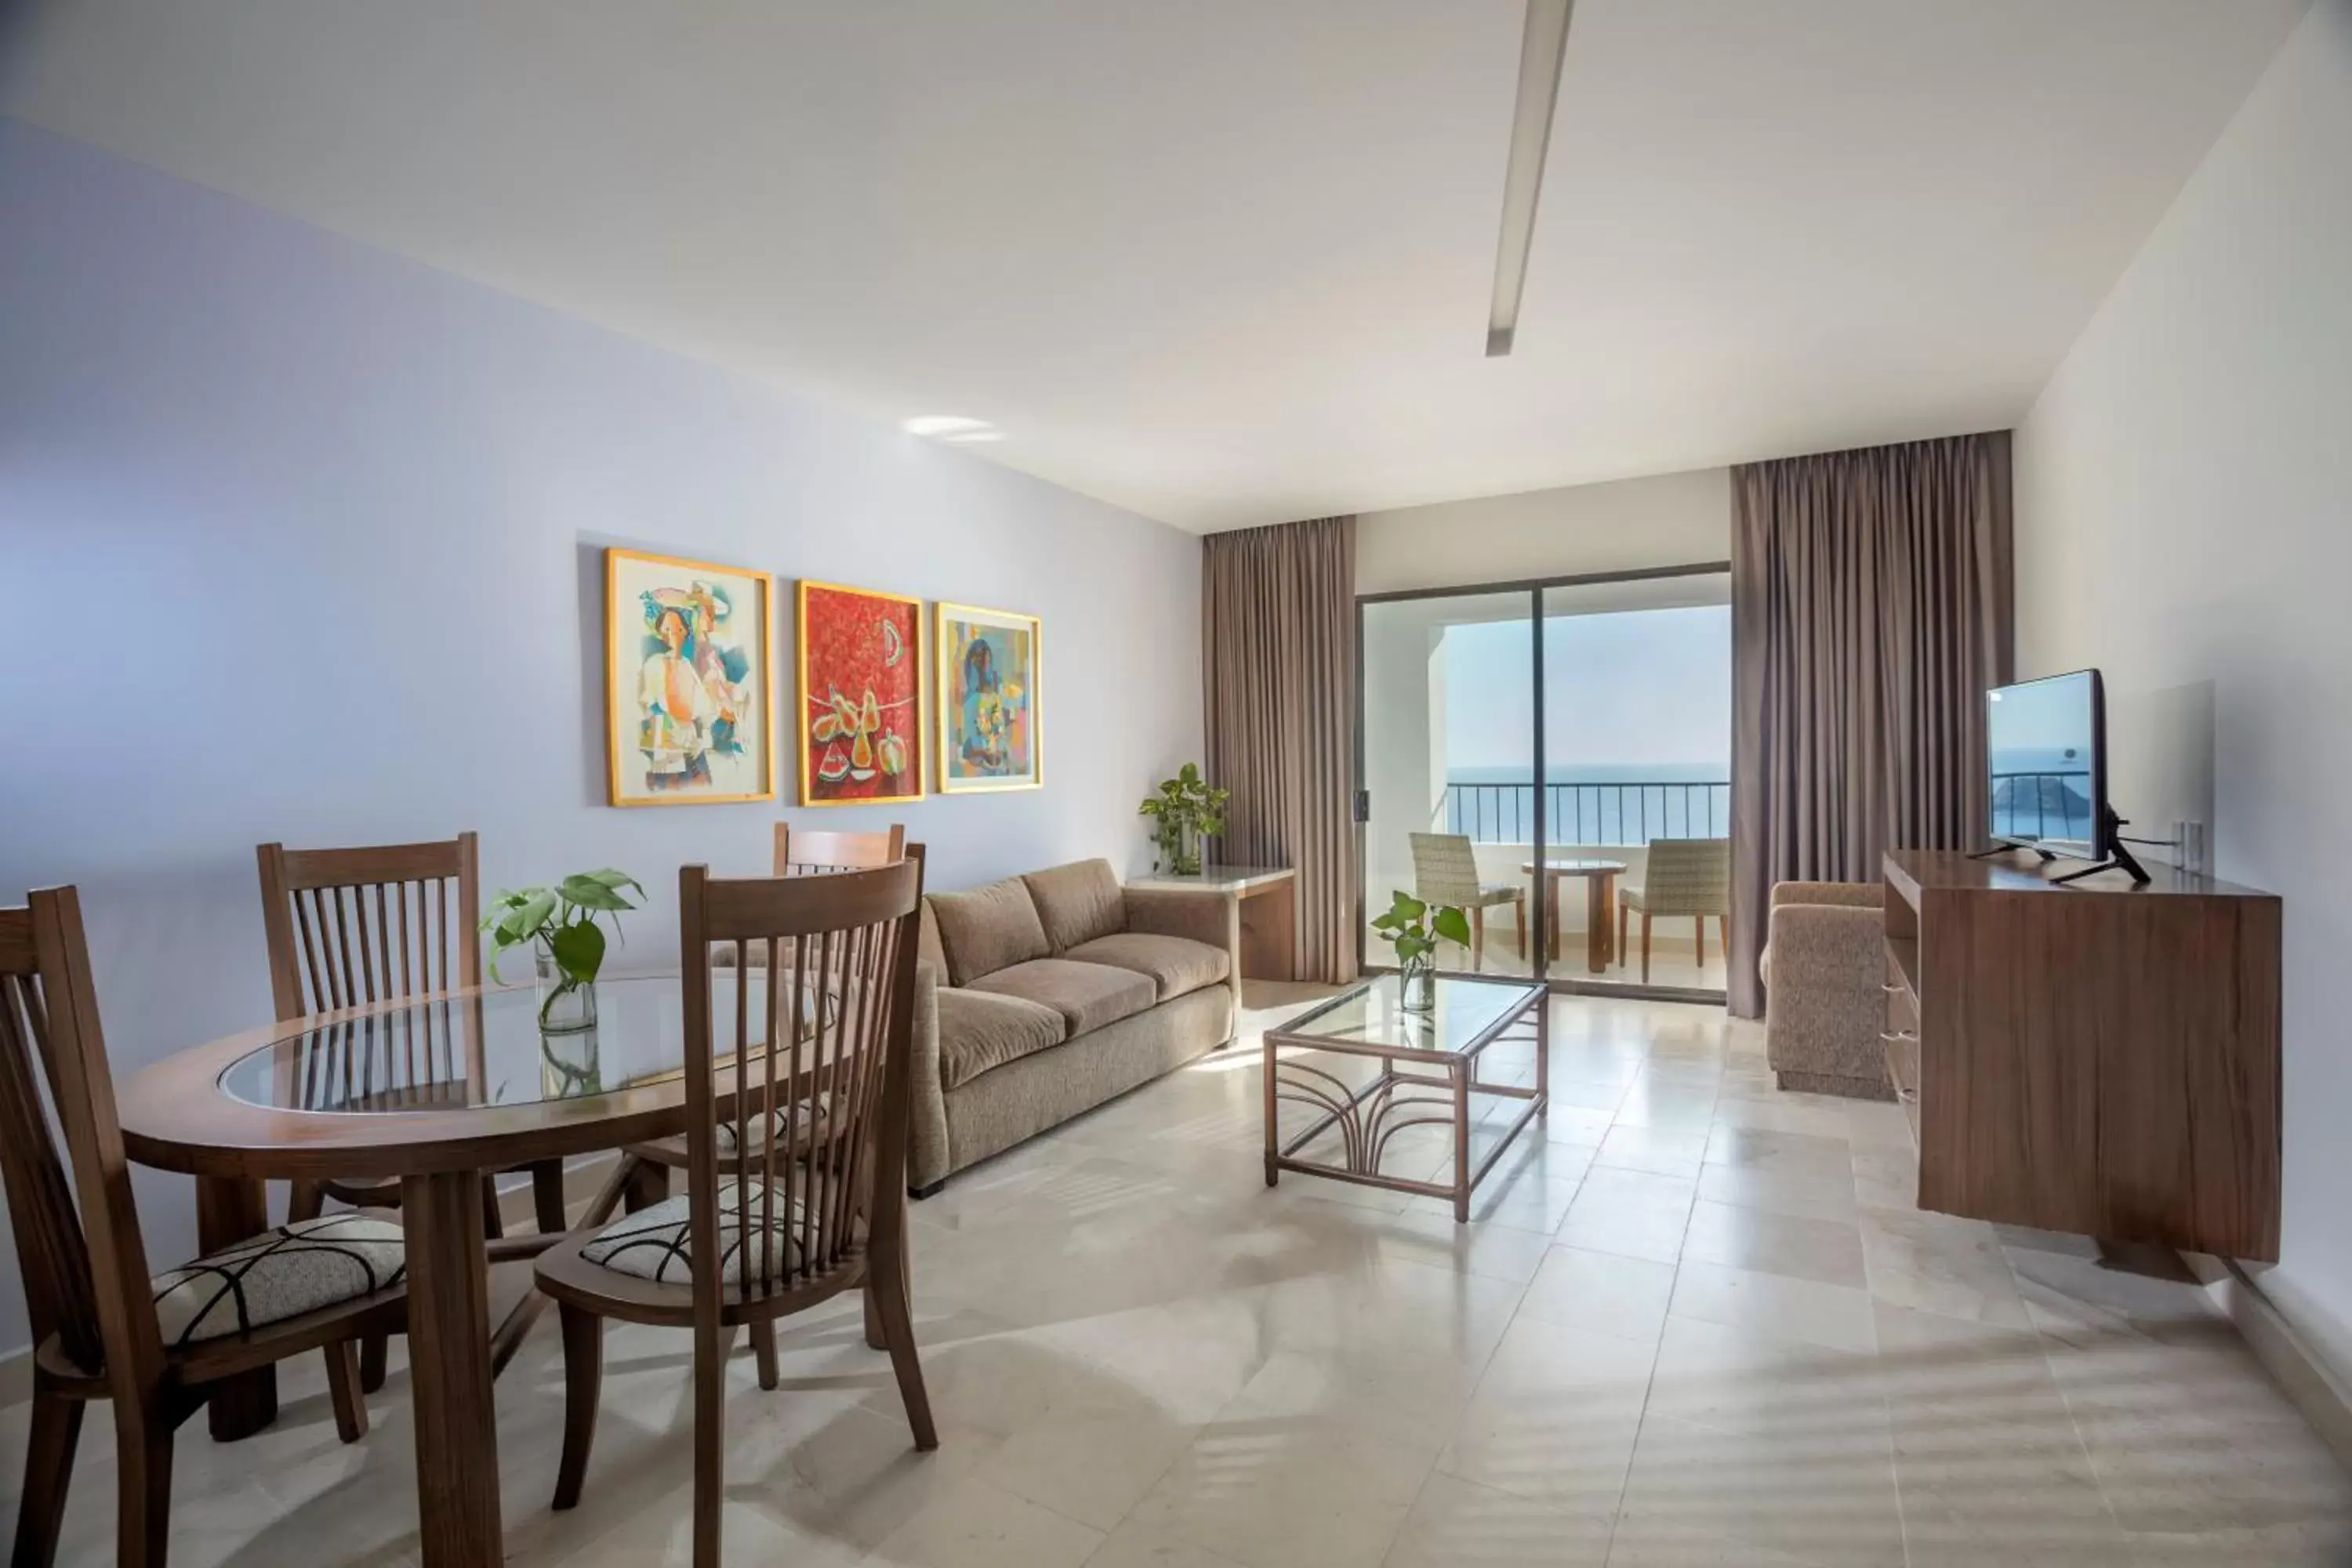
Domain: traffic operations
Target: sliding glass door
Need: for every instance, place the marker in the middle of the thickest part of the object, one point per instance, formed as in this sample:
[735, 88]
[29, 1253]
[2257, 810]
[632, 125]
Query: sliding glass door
[1637, 771]
[1448, 695]
[1557, 756]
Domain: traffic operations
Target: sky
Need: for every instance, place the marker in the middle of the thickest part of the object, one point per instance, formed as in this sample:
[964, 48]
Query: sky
[1623, 687]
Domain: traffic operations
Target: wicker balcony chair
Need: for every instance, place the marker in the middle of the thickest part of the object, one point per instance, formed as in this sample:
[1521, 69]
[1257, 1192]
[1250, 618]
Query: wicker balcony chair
[1446, 871]
[1684, 876]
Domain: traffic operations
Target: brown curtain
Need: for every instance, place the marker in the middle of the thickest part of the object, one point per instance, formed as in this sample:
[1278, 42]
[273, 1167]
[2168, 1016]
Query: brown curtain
[1278, 676]
[1871, 607]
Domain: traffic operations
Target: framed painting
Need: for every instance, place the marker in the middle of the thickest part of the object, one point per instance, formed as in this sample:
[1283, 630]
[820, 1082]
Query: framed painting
[689, 650]
[861, 696]
[992, 710]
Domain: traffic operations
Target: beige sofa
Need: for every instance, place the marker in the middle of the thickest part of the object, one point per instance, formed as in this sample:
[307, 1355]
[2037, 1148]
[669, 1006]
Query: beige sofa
[1824, 972]
[1042, 997]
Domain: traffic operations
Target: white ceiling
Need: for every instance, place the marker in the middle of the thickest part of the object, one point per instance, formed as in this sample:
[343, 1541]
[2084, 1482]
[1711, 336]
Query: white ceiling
[1227, 261]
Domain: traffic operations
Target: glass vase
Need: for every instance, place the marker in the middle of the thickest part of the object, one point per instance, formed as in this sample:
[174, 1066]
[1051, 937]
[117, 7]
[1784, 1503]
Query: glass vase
[1188, 850]
[566, 1007]
[568, 1067]
[1417, 983]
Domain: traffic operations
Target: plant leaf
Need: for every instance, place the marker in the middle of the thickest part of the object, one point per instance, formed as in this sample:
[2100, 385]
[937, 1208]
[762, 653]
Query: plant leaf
[578, 949]
[1452, 925]
[524, 922]
[591, 894]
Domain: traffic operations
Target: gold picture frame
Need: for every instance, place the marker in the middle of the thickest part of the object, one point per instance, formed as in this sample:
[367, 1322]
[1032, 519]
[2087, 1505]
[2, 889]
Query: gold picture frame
[990, 700]
[860, 693]
[688, 717]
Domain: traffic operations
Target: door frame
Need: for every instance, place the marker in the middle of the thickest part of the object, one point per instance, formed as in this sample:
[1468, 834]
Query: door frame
[1539, 894]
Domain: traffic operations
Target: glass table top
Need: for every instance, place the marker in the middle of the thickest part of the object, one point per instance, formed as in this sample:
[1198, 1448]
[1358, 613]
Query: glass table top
[462, 1052]
[1466, 1013]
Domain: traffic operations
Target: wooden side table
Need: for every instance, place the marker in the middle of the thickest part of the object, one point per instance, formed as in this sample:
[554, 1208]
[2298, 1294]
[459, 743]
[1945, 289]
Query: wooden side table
[1269, 905]
[1600, 906]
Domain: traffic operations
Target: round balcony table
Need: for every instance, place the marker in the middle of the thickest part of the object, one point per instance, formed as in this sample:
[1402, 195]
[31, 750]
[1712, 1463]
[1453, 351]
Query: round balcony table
[434, 1090]
[1600, 906]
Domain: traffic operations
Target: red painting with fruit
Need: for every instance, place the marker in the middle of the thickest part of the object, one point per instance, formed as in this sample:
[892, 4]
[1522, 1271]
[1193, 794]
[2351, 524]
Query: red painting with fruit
[861, 696]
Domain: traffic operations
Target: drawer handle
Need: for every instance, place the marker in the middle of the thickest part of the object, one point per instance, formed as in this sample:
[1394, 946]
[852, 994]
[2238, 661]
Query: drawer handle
[1898, 1035]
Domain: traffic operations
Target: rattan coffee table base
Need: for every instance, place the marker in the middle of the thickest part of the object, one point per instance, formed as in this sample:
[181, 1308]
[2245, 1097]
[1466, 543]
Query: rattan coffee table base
[1405, 1094]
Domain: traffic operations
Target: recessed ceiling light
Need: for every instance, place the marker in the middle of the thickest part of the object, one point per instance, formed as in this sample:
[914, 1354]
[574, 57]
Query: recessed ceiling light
[941, 424]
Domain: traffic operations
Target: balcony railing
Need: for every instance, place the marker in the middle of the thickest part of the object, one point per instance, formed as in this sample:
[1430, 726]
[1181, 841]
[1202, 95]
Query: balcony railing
[1633, 812]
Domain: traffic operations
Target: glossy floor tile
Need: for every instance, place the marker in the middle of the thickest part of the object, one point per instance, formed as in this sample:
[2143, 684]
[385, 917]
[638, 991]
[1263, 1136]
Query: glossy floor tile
[1693, 1321]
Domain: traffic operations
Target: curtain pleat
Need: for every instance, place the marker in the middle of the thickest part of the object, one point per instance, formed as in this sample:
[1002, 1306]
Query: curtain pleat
[1872, 605]
[1278, 678]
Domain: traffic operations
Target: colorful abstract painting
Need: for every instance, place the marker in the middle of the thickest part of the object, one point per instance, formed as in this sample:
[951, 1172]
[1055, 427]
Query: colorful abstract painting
[861, 696]
[689, 648]
[991, 710]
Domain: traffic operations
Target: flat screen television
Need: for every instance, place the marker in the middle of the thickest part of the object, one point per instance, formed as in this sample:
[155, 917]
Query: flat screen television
[2046, 742]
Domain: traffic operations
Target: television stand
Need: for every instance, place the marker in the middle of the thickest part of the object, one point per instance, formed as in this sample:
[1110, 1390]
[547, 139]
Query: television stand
[2000, 849]
[2118, 859]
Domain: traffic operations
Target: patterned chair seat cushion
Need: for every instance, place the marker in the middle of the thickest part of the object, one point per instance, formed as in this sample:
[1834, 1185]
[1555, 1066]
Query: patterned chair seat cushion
[657, 1242]
[280, 1274]
[810, 1124]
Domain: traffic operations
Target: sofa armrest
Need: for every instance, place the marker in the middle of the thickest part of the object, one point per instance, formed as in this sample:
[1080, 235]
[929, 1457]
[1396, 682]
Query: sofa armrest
[927, 1147]
[1208, 916]
[1854, 895]
[1825, 1006]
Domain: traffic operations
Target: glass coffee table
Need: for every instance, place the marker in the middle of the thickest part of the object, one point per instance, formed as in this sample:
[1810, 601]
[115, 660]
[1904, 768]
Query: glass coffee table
[1418, 1052]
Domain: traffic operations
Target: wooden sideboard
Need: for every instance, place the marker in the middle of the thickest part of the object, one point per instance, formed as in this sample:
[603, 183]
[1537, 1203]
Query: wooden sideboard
[2096, 1057]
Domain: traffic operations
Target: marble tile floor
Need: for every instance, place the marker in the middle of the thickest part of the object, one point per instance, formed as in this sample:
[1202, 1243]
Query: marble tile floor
[1695, 1323]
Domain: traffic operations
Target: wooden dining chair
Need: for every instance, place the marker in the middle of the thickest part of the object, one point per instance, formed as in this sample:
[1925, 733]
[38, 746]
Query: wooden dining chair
[812, 1096]
[376, 923]
[644, 1177]
[103, 1328]
[810, 853]
[814, 851]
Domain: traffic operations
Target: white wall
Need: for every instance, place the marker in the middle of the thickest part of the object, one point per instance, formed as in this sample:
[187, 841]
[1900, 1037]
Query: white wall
[2184, 517]
[301, 541]
[1671, 520]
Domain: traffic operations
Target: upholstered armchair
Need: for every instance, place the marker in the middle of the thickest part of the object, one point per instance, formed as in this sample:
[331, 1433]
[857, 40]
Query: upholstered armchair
[1824, 972]
[1446, 871]
[1684, 876]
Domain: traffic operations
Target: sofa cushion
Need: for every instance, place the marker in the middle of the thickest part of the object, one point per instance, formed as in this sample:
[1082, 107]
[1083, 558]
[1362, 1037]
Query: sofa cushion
[987, 929]
[1078, 903]
[1086, 995]
[1177, 964]
[981, 1030]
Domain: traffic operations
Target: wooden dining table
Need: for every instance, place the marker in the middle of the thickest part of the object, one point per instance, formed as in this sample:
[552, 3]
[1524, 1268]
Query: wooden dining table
[434, 1090]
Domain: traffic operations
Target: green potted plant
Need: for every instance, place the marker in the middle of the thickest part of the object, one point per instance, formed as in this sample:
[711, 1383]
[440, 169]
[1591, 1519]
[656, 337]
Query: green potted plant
[560, 923]
[1187, 809]
[1413, 928]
